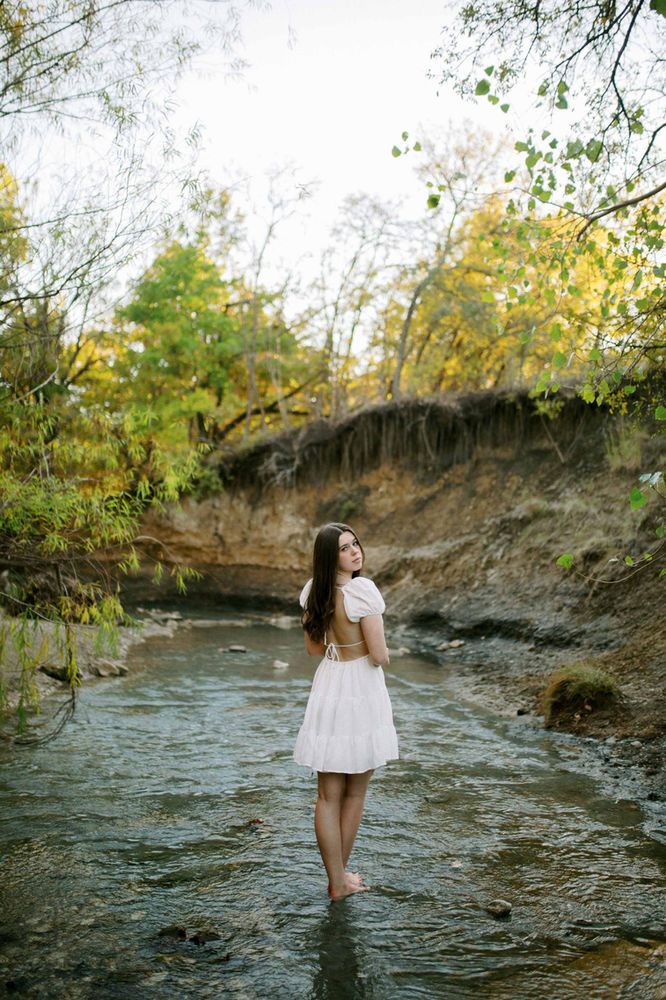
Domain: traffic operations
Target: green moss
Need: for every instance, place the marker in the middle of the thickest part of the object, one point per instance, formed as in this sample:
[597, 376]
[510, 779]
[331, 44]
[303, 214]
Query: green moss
[576, 688]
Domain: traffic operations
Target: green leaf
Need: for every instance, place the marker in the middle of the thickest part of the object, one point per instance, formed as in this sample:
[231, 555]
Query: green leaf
[509, 175]
[562, 88]
[629, 561]
[561, 103]
[637, 498]
[593, 150]
[595, 354]
[662, 573]
[559, 359]
[574, 149]
[493, 98]
[660, 531]
[417, 147]
[405, 136]
[658, 6]
[482, 87]
[504, 108]
[565, 561]
[396, 152]
[660, 413]
[489, 70]
[433, 200]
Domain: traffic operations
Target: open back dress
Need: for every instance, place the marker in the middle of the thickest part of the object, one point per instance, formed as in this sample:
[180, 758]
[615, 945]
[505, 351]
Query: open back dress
[348, 725]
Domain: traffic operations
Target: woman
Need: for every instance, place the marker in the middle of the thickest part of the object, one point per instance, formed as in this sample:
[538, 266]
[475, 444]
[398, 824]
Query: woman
[348, 726]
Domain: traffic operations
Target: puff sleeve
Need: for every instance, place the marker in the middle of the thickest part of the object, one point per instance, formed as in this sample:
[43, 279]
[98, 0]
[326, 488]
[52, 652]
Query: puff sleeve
[361, 599]
[305, 593]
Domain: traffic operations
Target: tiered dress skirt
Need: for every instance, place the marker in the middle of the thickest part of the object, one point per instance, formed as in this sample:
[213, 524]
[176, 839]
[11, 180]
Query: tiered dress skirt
[348, 725]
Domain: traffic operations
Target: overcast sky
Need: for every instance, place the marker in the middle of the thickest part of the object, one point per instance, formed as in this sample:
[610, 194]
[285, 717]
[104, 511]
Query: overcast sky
[330, 87]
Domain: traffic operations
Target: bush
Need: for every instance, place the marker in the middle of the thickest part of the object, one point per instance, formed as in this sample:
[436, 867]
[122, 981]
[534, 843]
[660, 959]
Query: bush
[577, 688]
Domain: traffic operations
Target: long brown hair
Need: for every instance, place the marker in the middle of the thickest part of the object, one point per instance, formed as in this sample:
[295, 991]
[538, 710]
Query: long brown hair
[320, 604]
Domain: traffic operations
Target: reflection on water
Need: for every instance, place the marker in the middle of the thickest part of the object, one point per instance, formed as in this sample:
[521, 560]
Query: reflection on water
[163, 848]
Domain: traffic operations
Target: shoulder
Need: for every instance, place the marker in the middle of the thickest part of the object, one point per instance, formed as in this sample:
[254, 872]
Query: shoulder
[362, 598]
[305, 593]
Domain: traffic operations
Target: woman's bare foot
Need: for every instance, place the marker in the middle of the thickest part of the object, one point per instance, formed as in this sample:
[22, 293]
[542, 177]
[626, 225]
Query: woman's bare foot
[355, 877]
[349, 887]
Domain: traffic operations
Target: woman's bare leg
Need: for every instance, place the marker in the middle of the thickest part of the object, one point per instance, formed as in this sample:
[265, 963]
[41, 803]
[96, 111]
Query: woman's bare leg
[351, 810]
[330, 795]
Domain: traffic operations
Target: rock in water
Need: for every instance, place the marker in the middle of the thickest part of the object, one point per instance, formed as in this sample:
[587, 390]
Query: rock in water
[174, 931]
[237, 648]
[498, 908]
[280, 664]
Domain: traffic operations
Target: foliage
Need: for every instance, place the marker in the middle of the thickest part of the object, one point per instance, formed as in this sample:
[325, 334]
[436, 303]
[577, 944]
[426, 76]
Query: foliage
[605, 58]
[77, 473]
[586, 209]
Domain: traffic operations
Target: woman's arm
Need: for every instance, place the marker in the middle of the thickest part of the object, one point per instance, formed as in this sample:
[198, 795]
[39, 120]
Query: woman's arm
[372, 628]
[313, 648]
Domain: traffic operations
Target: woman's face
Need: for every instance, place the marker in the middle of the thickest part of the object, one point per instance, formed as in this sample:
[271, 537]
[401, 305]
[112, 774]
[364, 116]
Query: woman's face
[350, 557]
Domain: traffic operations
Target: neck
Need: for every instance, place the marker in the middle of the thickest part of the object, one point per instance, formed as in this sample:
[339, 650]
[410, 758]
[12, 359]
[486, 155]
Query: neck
[342, 578]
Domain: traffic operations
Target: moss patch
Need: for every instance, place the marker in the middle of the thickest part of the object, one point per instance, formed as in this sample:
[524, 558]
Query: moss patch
[576, 690]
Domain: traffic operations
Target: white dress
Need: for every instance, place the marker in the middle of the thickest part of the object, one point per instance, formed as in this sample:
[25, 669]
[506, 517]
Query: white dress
[348, 725]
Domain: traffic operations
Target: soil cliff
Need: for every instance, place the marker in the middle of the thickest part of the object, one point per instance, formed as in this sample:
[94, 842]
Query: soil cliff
[463, 507]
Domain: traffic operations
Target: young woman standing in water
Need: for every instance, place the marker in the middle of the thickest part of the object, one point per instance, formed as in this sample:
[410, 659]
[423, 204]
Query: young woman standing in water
[348, 726]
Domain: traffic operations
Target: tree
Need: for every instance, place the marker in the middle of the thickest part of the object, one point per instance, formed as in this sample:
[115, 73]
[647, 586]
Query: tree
[607, 56]
[76, 474]
[595, 193]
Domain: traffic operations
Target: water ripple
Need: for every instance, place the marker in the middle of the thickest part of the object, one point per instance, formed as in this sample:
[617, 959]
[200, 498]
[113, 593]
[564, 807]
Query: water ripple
[172, 800]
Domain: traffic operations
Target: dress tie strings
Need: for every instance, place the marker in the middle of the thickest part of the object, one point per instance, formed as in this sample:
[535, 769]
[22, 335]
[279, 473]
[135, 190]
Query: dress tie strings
[332, 649]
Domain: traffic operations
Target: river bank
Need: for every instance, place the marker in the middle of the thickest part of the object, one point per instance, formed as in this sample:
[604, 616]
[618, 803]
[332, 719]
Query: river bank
[463, 507]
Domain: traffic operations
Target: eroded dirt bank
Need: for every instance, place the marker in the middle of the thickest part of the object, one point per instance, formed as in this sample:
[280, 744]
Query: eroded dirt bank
[463, 509]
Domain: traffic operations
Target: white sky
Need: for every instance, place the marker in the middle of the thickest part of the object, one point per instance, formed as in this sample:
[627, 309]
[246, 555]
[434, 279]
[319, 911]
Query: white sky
[333, 101]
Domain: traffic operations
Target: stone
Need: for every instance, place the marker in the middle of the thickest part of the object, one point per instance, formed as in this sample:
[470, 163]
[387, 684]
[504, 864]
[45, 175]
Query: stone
[283, 621]
[111, 668]
[56, 670]
[456, 643]
[498, 908]
[236, 648]
[201, 937]
[280, 664]
[174, 931]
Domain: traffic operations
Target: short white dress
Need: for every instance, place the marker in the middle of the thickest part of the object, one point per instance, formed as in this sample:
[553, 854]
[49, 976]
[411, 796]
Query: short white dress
[348, 725]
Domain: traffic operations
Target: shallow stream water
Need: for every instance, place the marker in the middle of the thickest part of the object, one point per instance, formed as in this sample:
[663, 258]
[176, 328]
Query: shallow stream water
[171, 800]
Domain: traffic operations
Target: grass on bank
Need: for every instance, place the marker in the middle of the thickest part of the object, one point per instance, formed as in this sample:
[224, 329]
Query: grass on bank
[577, 688]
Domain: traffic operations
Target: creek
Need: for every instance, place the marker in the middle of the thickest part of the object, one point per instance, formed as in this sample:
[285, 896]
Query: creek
[171, 801]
